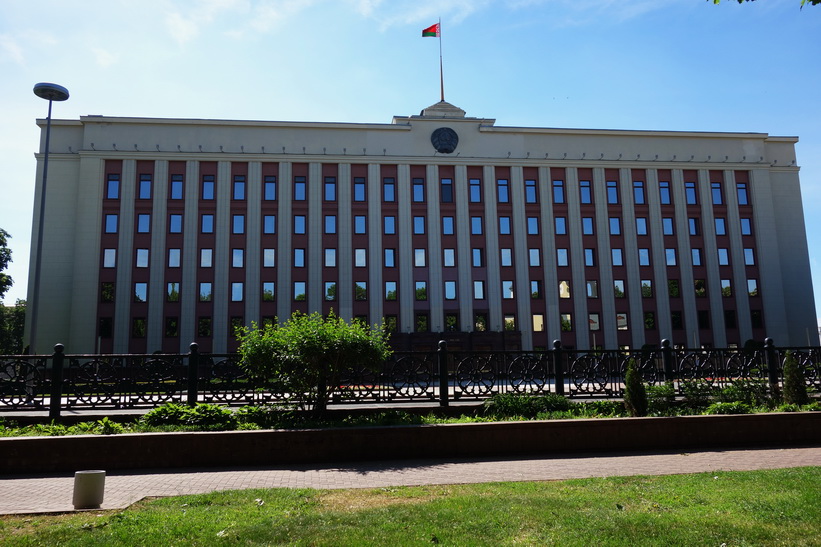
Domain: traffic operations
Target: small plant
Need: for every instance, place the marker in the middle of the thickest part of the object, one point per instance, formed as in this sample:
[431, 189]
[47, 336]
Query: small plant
[661, 397]
[167, 414]
[508, 405]
[789, 407]
[599, 409]
[204, 416]
[749, 392]
[812, 407]
[735, 407]
[108, 427]
[795, 387]
[696, 394]
[635, 395]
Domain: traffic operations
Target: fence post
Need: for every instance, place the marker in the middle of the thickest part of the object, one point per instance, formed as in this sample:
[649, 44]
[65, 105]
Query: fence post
[56, 382]
[442, 355]
[771, 358]
[193, 373]
[667, 360]
[558, 366]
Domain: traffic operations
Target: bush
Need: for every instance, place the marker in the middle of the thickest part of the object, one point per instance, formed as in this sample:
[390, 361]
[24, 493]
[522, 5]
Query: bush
[795, 387]
[203, 416]
[600, 409]
[509, 405]
[812, 407]
[696, 394]
[635, 395]
[728, 408]
[749, 392]
[306, 356]
[661, 397]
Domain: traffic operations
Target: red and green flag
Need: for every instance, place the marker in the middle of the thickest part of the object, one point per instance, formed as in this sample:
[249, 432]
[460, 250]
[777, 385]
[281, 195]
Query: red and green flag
[432, 31]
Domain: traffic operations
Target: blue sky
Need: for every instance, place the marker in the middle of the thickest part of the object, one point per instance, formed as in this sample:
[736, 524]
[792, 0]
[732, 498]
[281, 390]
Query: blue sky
[611, 64]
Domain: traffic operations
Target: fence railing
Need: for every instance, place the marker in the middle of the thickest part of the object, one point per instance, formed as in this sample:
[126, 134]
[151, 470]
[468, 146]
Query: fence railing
[60, 381]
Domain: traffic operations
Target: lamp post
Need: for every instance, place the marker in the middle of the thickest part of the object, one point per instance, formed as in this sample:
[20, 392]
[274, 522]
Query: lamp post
[49, 92]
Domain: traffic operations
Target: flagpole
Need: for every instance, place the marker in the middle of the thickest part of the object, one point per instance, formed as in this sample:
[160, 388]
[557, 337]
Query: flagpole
[441, 72]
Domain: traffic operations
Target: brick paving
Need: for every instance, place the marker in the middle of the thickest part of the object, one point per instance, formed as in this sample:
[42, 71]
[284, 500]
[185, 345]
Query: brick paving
[53, 493]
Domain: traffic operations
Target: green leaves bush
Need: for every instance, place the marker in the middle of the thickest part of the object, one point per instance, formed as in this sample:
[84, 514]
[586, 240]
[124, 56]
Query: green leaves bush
[203, 416]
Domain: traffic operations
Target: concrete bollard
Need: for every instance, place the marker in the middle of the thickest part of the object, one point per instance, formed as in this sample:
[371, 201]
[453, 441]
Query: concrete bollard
[89, 487]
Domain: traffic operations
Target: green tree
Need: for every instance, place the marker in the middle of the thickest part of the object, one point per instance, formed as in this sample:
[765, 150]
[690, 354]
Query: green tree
[305, 356]
[5, 257]
[812, 2]
[12, 324]
[795, 387]
[635, 394]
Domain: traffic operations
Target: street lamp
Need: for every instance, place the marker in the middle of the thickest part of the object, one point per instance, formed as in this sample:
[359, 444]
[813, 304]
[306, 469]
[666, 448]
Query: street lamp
[49, 92]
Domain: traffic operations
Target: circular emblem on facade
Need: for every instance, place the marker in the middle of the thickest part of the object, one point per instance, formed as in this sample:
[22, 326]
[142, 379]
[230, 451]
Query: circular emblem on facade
[444, 140]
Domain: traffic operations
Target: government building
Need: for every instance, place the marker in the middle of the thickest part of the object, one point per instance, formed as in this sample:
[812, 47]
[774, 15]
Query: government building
[162, 232]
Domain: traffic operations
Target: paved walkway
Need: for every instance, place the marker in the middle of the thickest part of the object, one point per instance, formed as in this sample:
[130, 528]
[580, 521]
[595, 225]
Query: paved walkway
[53, 493]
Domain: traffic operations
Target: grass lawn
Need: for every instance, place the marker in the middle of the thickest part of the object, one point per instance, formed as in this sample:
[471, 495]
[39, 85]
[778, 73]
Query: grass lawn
[774, 507]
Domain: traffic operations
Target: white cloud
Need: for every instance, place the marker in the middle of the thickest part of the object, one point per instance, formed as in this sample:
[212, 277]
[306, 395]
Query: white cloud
[104, 58]
[11, 50]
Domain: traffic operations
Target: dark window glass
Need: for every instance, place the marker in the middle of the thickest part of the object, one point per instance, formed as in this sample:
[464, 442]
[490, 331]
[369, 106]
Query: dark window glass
[447, 191]
[270, 191]
[475, 191]
[299, 189]
[504, 190]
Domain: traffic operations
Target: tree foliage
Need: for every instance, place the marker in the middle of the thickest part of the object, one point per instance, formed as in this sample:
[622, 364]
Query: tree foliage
[12, 324]
[795, 387]
[5, 258]
[635, 394]
[305, 357]
[803, 2]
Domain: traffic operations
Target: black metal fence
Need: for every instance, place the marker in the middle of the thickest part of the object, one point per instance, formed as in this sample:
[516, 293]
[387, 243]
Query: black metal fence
[61, 381]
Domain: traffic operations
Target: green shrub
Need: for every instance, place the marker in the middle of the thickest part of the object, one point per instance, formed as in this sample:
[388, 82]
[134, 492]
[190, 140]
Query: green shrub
[789, 407]
[203, 416]
[735, 407]
[166, 414]
[812, 407]
[599, 409]
[635, 395]
[661, 397]
[553, 402]
[106, 427]
[507, 405]
[749, 392]
[696, 394]
[795, 386]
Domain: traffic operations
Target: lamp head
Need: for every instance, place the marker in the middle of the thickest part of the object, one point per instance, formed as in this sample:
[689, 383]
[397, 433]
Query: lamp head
[51, 92]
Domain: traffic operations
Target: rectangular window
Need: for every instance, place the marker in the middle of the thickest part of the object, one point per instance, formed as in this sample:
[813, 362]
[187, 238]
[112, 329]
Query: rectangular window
[504, 225]
[207, 224]
[237, 258]
[390, 225]
[618, 288]
[612, 191]
[690, 193]
[638, 192]
[621, 321]
[447, 190]
[269, 191]
[208, 187]
[205, 292]
[721, 227]
[204, 327]
[703, 319]
[667, 226]
[538, 322]
[390, 290]
[111, 224]
[112, 187]
[236, 292]
[592, 287]
[507, 257]
[676, 321]
[360, 258]
[589, 257]
[299, 258]
[700, 288]
[172, 292]
[509, 322]
[726, 288]
[646, 288]
[729, 319]
[299, 224]
[174, 258]
[299, 189]
[715, 189]
[531, 192]
[649, 320]
[142, 258]
[330, 291]
[741, 190]
[673, 288]
[561, 226]
[447, 226]
[503, 190]
[450, 290]
[418, 190]
[269, 224]
[535, 289]
[533, 226]
[615, 226]
[752, 287]
[749, 257]
[419, 258]
[449, 257]
[359, 224]
[475, 191]
[144, 190]
[585, 194]
[478, 290]
[534, 257]
[507, 290]
[359, 189]
[564, 289]
[696, 257]
[330, 188]
[618, 260]
[641, 226]
[138, 327]
[175, 224]
[268, 292]
[594, 321]
[746, 227]
[566, 321]
[143, 223]
[238, 224]
[476, 225]
[269, 258]
[330, 224]
[693, 225]
[558, 191]
[421, 322]
[421, 290]
[330, 258]
[206, 258]
[664, 192]
[109, 258]
[390, 258]
[299, 291]
[670, 256]
[238, 193]
[476, 255]
[723, 257]
[389, 189]
[140, 292]
[587, 226]
[561, 257]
